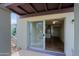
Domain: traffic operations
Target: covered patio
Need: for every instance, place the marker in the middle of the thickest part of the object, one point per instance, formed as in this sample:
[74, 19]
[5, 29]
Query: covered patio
[29, 10]
[34, 12]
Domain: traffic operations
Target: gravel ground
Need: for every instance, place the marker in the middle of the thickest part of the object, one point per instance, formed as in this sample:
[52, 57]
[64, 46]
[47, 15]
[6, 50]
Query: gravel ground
[14, 49]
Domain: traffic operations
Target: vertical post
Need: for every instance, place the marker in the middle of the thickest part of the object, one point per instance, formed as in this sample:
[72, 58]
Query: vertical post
[44, 34]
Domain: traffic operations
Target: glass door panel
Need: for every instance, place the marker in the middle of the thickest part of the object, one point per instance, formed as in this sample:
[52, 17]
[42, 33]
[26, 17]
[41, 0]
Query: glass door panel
[36, 34]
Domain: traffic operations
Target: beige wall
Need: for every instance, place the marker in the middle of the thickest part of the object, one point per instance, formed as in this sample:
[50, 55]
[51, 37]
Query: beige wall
[22, 37]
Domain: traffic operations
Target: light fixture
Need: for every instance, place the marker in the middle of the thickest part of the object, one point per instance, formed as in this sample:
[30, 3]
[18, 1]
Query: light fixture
[54, 22]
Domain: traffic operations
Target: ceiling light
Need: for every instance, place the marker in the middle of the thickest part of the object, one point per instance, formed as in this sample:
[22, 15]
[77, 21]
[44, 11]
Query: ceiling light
[54, 22]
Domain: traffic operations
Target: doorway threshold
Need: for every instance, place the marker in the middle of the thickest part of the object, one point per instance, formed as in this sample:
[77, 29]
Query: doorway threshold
[51, 53]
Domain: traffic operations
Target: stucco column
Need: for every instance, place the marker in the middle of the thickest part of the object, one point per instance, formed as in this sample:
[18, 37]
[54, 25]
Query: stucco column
[5, 39]
[76, 14]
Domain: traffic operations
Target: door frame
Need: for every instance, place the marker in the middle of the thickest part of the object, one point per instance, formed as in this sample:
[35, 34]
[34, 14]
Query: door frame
[44, 27]
[63, 33]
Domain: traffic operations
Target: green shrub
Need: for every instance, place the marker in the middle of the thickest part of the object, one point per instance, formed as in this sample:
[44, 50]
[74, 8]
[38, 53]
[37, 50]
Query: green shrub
[14, 31]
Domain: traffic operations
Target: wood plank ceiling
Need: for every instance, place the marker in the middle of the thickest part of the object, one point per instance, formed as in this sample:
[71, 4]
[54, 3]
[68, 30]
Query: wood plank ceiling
[36, 8]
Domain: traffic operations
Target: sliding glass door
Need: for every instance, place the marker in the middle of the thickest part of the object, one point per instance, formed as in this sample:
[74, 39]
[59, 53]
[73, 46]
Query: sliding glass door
[37, 34]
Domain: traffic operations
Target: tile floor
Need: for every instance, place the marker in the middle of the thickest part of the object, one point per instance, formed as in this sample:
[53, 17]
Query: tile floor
[55, 45]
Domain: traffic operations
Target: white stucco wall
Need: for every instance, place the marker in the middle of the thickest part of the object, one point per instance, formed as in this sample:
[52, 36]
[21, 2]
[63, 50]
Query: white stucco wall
[69, 35]
[69, 30]
[21, 34]
[5, 38]
[76, 42]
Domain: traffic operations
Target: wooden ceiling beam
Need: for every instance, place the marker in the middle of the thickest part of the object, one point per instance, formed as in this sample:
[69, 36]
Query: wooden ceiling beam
[45, 6]
[15, 11]
[14, 4]
[60, 6]
[23, 9]
[33, 7]
[50, 12]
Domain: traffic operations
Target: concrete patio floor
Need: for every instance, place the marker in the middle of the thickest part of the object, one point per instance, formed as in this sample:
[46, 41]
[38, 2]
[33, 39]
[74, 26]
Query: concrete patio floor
[19, 52]
[30, 52]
